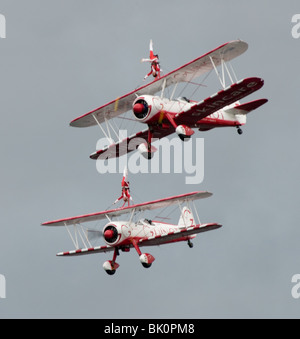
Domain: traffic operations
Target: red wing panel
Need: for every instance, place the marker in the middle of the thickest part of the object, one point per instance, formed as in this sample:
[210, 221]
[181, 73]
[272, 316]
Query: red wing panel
[130, 144]
[83, 251]
[248, 106]
[219, 100]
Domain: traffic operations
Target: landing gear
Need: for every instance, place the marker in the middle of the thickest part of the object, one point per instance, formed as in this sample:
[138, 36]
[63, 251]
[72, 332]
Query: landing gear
[111, 266]
[146, 149]
[146, 259]
[239, 130]
[191, 245]
[184, 132]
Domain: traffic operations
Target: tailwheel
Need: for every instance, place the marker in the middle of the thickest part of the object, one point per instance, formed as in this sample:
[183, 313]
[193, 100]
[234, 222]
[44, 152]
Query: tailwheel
[239, 130]
[191, 245]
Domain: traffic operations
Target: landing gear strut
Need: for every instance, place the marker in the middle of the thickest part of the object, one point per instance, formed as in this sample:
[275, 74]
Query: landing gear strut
[111, 266]
[146, 259]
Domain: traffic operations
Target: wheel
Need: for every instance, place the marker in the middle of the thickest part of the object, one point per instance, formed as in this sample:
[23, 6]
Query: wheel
[240, 131]
[110, 272]
[191, 245]
[184, 137]
[146, 265]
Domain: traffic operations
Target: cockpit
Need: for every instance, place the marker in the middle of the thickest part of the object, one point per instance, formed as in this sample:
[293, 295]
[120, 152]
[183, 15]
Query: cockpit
[183, 99]
[146, 222]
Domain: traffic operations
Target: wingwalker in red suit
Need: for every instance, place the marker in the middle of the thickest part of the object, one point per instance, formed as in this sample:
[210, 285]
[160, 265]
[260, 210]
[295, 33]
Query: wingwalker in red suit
[125, 189]
[155, 68]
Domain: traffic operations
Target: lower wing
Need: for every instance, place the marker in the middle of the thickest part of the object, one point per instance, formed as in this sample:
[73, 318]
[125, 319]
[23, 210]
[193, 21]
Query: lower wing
[83, 251]
[150, 241]
[224, 98]
[178, 234]
[130, 144]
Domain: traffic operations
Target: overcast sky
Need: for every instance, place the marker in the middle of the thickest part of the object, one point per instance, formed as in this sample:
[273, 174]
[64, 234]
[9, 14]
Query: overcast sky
[61, 59]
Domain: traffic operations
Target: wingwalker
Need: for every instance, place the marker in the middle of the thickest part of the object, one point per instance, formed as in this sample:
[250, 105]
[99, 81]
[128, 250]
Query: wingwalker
[125, 234]
[165, 116]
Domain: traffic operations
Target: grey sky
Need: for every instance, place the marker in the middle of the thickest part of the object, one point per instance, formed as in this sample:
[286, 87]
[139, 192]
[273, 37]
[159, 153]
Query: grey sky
[60, 59]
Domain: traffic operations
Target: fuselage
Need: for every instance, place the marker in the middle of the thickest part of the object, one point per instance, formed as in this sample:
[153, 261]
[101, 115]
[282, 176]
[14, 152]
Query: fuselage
[122, 233]
[153, 110]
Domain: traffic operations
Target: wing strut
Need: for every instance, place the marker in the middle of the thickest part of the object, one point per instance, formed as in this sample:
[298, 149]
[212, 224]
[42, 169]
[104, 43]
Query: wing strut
[78, 232]
[108, 137]
[223, 69]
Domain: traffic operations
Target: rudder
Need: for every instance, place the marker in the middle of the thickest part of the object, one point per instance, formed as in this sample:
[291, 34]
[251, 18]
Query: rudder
[186, 218]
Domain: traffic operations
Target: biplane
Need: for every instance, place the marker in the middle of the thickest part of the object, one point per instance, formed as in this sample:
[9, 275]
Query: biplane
[165, 116]
[125, 234]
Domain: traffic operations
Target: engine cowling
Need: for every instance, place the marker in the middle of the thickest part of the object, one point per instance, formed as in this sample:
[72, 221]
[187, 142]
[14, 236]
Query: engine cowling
[115, 233]
[146, 107]
[111, 234]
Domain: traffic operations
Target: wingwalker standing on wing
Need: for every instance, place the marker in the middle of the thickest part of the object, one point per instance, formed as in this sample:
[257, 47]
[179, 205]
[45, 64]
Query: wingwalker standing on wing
[125, 189]
[155, 68]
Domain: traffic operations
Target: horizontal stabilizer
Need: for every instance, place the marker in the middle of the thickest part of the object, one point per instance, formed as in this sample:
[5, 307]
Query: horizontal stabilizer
[247, 107]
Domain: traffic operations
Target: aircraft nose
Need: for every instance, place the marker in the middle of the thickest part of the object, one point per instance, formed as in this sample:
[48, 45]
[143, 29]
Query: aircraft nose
[138, 108]
[108, 234]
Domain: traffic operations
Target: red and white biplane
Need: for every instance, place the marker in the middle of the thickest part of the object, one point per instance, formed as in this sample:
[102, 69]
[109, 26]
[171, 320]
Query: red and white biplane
[122, 235]
[164, 116]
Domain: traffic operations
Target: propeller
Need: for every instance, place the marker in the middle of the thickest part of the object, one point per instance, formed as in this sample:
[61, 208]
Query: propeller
[94, 234]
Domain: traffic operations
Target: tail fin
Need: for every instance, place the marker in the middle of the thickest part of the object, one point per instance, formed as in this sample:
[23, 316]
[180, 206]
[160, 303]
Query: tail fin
[240, 111]
[186, 218]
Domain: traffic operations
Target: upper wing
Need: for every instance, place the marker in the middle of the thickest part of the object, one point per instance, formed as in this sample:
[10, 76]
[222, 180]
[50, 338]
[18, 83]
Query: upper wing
[155, 240]
[150, 205]
[186, 73]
